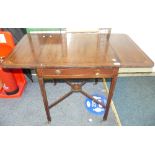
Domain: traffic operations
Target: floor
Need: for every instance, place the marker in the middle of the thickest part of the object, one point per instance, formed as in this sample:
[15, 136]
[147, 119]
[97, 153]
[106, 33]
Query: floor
[29, 110]
[134, 100]
[133, 104]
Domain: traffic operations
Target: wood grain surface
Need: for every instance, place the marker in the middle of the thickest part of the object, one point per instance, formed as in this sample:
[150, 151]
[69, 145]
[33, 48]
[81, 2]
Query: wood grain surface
[76, 50]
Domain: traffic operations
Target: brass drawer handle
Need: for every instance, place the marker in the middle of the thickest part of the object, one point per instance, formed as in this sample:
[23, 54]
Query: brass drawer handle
[97, 74]
[57, 71]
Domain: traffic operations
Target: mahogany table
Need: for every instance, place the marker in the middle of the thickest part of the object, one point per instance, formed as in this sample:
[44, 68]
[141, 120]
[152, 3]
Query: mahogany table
[76, 56]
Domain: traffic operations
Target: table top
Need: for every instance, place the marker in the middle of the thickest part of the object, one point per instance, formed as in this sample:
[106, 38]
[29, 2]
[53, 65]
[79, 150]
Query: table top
[76, 50]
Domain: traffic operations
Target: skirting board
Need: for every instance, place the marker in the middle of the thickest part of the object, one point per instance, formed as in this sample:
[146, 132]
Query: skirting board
[136, 72]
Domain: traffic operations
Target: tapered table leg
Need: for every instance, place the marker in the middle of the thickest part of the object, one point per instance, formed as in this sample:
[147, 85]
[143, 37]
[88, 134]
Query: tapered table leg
[44, 96]
[111, 91]
[110, 95]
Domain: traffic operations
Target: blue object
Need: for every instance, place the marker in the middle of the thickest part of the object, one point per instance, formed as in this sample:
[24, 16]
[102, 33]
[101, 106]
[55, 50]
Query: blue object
[95, 108]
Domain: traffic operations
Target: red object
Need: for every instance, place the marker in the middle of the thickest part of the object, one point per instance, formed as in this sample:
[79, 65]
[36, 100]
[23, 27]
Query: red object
[13, 79]
[6, 48]
[9, 82]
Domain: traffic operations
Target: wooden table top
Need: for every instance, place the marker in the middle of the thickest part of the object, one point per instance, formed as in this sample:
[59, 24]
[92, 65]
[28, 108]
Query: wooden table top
[76, 50]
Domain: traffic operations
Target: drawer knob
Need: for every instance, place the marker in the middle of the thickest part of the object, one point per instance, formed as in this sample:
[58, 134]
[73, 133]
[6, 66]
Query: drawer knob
[97, 74]
[57, 71]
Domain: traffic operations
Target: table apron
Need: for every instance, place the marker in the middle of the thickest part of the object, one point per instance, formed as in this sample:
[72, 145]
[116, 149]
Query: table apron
[77, 73]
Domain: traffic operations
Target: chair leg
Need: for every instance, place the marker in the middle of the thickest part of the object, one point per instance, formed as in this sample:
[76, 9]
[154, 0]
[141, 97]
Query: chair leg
[28, 74]
[54, 82]
[96, 81]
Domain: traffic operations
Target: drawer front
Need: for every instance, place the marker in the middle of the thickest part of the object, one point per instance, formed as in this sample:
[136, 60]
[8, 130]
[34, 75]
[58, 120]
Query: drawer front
[78, 73]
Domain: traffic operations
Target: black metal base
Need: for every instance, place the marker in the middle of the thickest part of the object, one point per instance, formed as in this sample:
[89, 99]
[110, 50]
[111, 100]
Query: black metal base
[12, 92]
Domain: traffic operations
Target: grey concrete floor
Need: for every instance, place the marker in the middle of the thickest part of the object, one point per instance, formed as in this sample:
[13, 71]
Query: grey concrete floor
[28, 110]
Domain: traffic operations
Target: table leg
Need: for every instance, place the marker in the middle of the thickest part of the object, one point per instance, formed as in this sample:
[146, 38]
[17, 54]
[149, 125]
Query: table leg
[44, 96]
[111, 91]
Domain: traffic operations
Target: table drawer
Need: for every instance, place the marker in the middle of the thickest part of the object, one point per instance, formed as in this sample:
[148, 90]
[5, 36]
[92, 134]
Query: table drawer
[78, 73]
